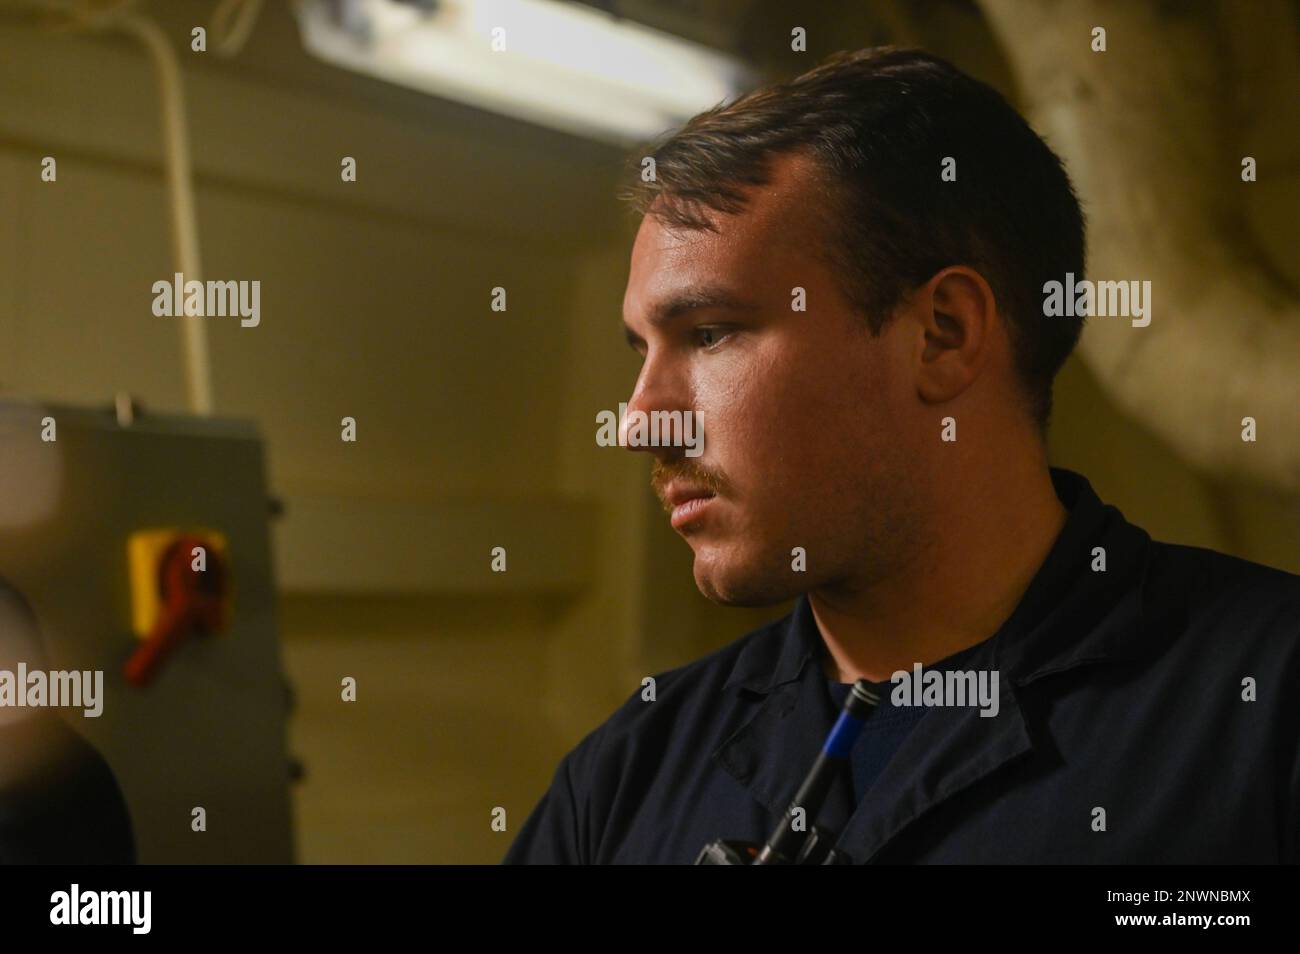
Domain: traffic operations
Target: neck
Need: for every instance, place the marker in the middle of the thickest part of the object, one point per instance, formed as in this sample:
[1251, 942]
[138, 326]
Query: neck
[986, 544]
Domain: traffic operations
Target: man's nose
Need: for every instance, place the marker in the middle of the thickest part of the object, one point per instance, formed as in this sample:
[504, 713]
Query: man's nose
[657, 389]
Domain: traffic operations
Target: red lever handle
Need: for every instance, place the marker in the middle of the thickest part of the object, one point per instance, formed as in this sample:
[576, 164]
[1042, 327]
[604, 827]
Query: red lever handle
[192, 601]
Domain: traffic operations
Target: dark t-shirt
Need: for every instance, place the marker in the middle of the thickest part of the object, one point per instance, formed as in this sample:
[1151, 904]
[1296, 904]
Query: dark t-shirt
[887, 726]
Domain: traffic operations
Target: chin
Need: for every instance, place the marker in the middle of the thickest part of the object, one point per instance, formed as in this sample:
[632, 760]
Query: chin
[736, 582]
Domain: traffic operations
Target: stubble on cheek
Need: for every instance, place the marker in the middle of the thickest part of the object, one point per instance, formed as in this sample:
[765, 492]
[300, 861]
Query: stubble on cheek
[824, 470]
[794, 434]
[743, 554]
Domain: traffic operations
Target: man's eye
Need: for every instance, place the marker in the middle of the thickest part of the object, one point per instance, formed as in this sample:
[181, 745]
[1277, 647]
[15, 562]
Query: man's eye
[707, 336]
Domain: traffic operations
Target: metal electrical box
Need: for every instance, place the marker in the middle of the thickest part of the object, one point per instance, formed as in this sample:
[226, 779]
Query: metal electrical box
[209, 730]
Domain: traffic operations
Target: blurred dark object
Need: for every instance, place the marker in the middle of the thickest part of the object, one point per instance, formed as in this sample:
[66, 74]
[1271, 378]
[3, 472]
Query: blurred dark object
[59, 800]
[63, 806]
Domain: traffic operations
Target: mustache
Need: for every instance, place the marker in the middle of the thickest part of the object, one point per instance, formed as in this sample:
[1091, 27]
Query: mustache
[664, 472]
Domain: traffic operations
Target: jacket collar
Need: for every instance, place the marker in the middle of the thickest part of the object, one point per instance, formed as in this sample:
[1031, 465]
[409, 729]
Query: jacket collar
[1070, 616]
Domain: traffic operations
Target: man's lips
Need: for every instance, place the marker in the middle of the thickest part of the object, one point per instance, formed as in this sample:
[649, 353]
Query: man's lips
[679, 492]
[686, 501]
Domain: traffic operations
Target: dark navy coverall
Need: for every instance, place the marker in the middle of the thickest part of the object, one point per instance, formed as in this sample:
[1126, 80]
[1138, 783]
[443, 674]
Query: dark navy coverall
[1120, 690]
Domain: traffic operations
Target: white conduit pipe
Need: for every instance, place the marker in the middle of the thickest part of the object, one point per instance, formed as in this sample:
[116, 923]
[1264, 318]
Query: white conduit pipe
[180, 187]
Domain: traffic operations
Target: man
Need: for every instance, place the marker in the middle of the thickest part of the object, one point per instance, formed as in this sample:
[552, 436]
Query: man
[843, 277]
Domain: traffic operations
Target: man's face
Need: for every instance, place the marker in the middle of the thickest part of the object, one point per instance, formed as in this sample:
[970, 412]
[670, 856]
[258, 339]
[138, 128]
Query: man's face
[805, 427]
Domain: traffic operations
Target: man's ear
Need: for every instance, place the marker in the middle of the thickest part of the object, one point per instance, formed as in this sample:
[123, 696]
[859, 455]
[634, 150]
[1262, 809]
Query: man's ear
[956, 310]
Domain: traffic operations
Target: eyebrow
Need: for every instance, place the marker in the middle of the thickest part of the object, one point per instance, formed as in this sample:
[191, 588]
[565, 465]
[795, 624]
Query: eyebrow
[688, 300]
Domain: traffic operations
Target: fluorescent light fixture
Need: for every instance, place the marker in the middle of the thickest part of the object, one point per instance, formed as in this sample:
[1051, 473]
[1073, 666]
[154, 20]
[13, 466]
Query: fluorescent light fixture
[556, 64]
